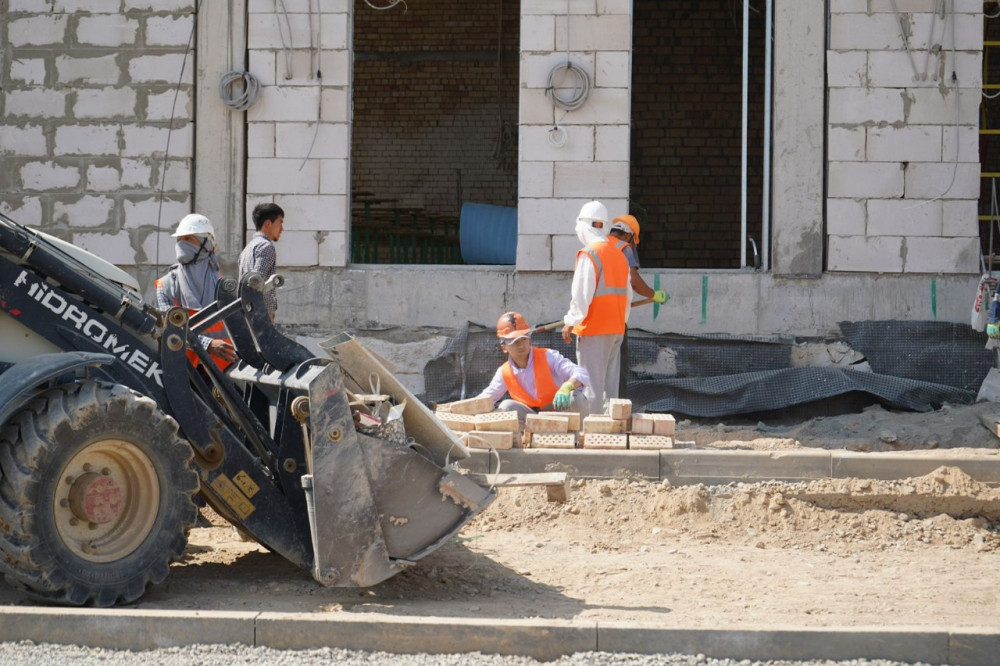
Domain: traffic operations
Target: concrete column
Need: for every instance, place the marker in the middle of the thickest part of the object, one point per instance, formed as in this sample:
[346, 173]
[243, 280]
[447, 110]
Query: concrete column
[220, 138]
[797, 150]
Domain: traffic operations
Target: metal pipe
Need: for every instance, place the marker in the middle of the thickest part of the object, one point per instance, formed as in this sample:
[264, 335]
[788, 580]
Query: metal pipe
[743, 145]
[765, 220]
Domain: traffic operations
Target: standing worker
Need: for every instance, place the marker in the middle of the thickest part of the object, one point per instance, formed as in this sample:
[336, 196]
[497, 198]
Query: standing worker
[259, 255]
[599, 306]
[190, 283]
[626, 228]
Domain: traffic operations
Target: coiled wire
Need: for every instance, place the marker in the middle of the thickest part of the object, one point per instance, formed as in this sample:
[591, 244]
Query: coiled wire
[243, 101]
[582, 90]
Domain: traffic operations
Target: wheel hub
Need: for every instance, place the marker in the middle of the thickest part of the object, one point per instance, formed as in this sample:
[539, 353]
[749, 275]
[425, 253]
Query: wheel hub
[96, 498]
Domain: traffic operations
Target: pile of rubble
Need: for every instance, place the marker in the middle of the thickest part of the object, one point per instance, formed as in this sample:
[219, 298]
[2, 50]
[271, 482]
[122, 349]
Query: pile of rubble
[480, 427]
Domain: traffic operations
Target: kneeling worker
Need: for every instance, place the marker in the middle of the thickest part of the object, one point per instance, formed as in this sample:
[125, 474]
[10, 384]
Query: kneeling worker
[536, 379]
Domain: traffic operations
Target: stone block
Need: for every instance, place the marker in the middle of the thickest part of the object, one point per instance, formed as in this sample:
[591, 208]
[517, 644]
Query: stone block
[649, 442]
[600, 440]
[572, 419]
[457, 422]
[664, 424]
[473, 406]
[497, 421]
[539, 423]
[553, 440]
[620, 408]
[486, 439]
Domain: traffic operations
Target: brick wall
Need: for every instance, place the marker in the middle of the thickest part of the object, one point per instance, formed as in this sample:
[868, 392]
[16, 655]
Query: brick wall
[686, 132]
[435, 104]
[96, 106]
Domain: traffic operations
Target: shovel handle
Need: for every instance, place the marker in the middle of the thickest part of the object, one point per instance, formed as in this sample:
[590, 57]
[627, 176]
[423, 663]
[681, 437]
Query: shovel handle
[558, 324]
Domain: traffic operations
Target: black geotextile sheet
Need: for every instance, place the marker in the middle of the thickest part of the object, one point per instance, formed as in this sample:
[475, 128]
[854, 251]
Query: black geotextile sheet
[916, 366]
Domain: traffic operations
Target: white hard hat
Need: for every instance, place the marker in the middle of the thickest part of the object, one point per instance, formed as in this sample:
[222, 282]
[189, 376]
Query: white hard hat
[194, 224]
[593, 211]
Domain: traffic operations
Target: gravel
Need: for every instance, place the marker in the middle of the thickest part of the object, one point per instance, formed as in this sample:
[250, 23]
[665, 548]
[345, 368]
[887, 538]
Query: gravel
[27, 653]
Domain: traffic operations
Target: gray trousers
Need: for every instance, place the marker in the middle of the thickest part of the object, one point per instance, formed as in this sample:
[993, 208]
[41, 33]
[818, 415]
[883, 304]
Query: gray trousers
[578, 403]
[601, 356]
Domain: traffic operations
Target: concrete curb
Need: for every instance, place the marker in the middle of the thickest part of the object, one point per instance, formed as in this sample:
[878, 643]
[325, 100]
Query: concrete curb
[692, 466]
[544, 640]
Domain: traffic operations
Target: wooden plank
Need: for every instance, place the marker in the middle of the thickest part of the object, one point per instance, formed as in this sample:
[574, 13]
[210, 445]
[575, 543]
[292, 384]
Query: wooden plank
[556, 483]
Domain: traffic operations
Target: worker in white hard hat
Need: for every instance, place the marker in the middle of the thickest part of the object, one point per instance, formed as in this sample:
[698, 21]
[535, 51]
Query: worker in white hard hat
[190, 283]
[600, 301]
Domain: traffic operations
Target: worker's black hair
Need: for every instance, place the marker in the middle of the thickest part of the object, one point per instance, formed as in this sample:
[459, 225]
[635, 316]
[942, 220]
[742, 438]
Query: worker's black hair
[264, 212]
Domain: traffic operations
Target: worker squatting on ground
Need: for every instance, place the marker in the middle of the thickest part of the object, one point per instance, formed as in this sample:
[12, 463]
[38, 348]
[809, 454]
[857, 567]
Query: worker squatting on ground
[536, 378]
[626, 228]
[600, 302]
[259, 255]
[190, 283]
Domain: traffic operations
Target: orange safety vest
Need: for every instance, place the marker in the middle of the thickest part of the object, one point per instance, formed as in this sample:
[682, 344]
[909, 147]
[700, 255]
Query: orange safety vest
[545, 385]
[606, 315]
[216, 330]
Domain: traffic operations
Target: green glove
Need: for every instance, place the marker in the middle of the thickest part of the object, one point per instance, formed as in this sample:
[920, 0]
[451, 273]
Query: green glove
[563, 395]
[993, 330]
[660, 297]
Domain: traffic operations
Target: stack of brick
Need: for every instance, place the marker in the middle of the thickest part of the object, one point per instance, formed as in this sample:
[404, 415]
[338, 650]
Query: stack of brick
[475, 422]
[620, 429]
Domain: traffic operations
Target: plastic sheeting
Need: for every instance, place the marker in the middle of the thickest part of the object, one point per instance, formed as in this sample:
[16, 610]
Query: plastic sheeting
[916, 366]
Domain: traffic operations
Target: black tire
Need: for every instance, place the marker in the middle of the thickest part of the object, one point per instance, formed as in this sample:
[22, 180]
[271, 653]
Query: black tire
[96, 495]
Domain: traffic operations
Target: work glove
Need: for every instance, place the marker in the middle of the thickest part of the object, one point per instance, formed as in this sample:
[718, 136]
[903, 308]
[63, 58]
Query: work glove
[563, 396]
[660, 297]
[993, 330]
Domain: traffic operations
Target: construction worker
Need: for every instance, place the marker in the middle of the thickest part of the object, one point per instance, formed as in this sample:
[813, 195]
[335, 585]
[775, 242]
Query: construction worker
[190, 283]
[259, 255]
[600, 301]
[535, 378]
[626, 228]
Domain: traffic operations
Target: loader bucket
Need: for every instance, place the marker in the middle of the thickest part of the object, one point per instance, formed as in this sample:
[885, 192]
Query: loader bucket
[376, 506]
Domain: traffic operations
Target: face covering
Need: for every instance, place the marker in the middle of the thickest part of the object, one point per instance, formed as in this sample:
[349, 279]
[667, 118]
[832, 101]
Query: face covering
[198, 272]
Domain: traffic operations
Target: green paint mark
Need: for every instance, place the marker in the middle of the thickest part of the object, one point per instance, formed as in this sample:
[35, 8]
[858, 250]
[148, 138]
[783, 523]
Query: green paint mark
[704, 299]
[656, 287]
[934, 299]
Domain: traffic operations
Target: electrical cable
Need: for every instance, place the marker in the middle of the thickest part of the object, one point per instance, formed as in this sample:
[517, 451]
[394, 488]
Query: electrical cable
[286, 46]
[246, 99]
[579, 97]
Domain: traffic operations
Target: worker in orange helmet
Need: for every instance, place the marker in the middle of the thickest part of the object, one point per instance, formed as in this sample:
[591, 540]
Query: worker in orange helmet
[626, 228]
[535, 378]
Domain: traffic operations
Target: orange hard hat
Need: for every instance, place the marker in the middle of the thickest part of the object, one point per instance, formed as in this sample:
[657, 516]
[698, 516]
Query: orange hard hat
[511, 326]
[631, 223]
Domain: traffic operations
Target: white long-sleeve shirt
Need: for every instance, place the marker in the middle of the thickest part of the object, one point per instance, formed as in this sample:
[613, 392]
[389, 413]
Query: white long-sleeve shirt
[582, 291]
[563, 370]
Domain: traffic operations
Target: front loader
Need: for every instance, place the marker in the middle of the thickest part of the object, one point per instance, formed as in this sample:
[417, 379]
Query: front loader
[110, 437]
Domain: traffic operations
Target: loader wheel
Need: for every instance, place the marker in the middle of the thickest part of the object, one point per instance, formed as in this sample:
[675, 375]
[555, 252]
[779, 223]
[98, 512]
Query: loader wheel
[96, 495]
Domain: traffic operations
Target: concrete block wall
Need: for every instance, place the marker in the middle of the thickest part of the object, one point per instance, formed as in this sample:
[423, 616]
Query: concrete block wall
[903, 170]
[298, 132]
[97, 135]
[570, 157]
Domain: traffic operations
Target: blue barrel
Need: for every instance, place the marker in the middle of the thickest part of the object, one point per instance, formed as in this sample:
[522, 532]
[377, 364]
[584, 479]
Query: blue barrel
[488, 234]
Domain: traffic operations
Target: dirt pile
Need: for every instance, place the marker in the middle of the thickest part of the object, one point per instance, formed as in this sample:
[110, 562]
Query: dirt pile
[946, 507]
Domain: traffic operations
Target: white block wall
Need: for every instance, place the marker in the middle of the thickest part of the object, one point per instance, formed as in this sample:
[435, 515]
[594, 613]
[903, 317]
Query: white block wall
[299, 136]
[569, 157]
[97, 118]
[903, 169]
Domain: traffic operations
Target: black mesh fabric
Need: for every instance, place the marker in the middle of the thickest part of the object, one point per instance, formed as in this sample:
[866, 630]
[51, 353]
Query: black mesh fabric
[915, 366]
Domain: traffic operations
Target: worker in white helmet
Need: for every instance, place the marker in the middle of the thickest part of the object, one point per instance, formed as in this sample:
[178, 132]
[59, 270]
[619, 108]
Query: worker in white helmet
[600, 301]
[190, 283]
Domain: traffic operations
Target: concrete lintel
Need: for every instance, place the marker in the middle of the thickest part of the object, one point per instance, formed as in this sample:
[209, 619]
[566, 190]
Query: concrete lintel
[687, 467]
[890, 466]
[901, 644]
[543, 640]
[125, 629]
[580, 463]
